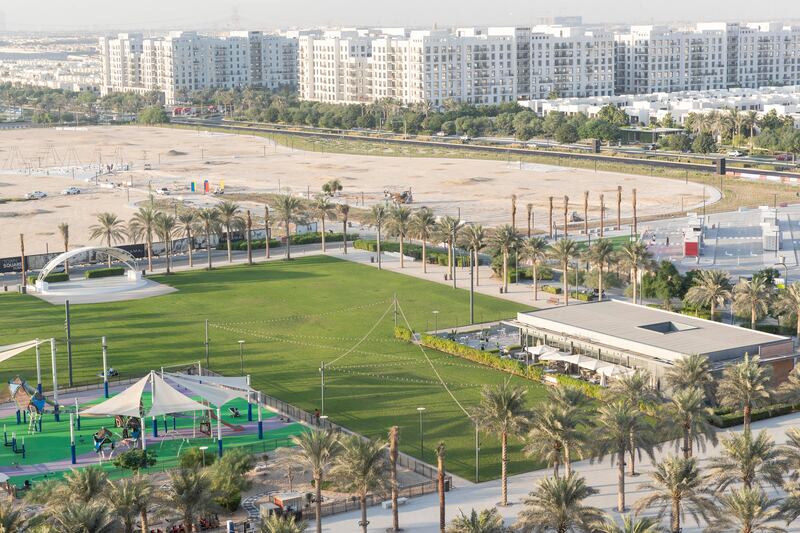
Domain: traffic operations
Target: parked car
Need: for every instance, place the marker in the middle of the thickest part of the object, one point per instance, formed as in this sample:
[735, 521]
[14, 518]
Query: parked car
[441, 134]
[70, 191]
[35, 195]
[163, 191]
[735, 153]
[783, 157]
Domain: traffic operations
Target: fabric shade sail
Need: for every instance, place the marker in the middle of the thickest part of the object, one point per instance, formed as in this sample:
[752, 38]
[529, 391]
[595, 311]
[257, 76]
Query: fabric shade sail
[9, 351]
[213, 394]
[167, 400]
[223, 381]
[126, 403]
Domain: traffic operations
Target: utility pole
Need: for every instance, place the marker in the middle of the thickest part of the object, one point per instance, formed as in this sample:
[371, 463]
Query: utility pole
[266, 228]
[206, 345]
[23, 287]
[586, 212]
[471, 289]
[550, 225]
[635, 222]
[394, 300]
[566, 208]
[602, 213]
[68, 327]
[619, 207]
[322, 388]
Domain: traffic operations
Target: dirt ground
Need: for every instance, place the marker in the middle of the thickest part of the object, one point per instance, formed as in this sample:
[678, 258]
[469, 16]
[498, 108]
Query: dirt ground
[51, 160]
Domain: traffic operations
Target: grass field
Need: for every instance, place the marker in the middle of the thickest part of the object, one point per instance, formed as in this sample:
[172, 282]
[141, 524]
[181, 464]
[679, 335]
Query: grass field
[293, 315]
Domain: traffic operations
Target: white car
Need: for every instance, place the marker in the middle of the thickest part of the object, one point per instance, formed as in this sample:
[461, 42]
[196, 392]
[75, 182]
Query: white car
[70, 191]
[35, 195]
[163, 191]
[735, 153]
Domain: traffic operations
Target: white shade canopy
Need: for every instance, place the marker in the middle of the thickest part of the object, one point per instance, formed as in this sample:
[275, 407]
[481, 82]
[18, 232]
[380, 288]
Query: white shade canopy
[126, 403]
[542, 349]
[594, 364]
[223, 381]
[9, 351]
[167, 400]
[615, 370]
[213, 394]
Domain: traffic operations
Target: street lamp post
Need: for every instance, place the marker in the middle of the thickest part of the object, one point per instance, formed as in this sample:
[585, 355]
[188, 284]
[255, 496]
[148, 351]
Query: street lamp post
[241, 356]
[421, 410]
[435, 321]
[203, 449]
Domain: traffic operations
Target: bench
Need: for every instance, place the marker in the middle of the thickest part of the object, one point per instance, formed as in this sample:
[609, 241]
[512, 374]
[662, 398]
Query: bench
[553, 300]
[388, 503]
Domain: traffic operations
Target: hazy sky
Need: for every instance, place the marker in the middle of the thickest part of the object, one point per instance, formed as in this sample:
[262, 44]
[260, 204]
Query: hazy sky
[33, 15]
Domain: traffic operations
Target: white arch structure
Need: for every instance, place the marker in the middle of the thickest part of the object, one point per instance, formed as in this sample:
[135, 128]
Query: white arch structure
[116, 253]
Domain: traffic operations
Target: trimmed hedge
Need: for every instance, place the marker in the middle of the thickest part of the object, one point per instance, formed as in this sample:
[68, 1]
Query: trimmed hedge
[581, 296]
[105, 272]
[298, 239]
[403, 333]
[551, 289]
[589, 389]
[434, 254]
[729, 419]
[53, 277]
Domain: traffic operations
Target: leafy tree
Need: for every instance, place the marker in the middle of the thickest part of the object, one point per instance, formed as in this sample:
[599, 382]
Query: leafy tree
[567, 134]
[135, 459]
[704, 143]
[229, 478]
[153, 115]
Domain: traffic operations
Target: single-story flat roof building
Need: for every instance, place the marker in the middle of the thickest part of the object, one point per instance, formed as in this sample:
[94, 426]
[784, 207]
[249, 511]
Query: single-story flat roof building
[636, 336]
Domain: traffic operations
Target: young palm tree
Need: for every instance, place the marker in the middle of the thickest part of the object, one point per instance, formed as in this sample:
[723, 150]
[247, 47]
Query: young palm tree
[142, 226]
[473, 239]
[502, 412]
[563, 251]
[535, 250]
[746, 510]
[616, 423]
[190, 495]
[287, 209]
[165, 227]
[398, 225]
[90, 518]
[187, 221]
[688, 413]
[63, 228]
[505, 238]
[377, 217]
[12, 519]
[423, 225]
[316, 451]
[636, 257]
[557, 505]
[677, 486]
[744, 386]
[447, 231]
[747, 460]
[753, 298]
[635, 389]
[787, 304]
[789, 390]
[487, 521]
[710, 289]
[231, 219]
[323, 209]
[344, 212]
[550, 427]
[281, 524]
[440, 453]
[630, 524]
[208, 219]
[691, 371]
[109, 228]
[600, 254]
[84, 485]
[529, 211]
[361, 467]
[129, 499]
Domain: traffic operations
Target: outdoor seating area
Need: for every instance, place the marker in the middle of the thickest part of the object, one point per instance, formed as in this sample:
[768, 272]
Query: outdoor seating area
[498, 337]
[579, 366]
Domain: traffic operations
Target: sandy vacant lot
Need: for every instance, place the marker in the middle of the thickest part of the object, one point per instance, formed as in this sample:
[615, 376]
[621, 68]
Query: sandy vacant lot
[50, 160]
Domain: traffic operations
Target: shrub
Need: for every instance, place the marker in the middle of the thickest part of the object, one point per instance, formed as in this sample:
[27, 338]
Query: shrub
[729, 419]
[193, 458]
[53, 277]
[589, 389]
[581, 296]
[105, 272]
[403, 333]
[551, 289]
[135, 459]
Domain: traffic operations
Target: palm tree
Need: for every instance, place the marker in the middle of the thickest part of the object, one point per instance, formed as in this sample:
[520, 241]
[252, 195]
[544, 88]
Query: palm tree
[630, 524]
[514, 211]
[473, 239]
[142, 225]
[746, 510]
[748, 460]
[691, 371]
[787, 304]
[529, 211]
[535, 251]
[129, 499]
[676, 485]
[344, 212]
[636, 257]
[165, 227]
[563, 251]
[12, 520]
[209, 221]
[504, 239]
[616, 423]
[599, 255]
[324, 209]
[744, 386]
[423, 225]
[487, 521]
[279, 524]
[90, 518]
[189, 494]
[377, 217]
[545, 441]
[287, 208]
[84, 485]
[109, 228]
[557, 505]
[316, 451]
[361, 467]
[332, 187]
[398, 225]
[248, 235]
[502, 412]
[447, 231]
[635, 389]
[691, 417]
[789, 391]
[231, 219]
[752, 297]
[63, 228]
[394, 444]
[710, 289]
[187, 221]
[440, 453]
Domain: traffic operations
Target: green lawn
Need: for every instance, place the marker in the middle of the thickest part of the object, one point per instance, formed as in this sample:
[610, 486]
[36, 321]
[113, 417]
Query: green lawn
[292, 316]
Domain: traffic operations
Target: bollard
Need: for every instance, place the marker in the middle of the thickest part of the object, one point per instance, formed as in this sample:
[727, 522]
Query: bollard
[260, 430]
[155, 428]
[219, 447]
[19, 417]
[73, 455]
[249, 412]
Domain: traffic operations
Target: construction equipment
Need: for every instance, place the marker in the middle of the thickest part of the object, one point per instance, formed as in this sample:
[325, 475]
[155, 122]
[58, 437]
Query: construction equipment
[399, 198]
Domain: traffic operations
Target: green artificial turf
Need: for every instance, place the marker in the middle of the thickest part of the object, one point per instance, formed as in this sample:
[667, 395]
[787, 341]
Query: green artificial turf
[293, 315]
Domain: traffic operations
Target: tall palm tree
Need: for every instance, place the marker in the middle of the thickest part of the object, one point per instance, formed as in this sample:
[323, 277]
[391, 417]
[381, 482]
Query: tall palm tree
[109, 228]
[281, 524]
[635, 256]
[563, 251]
[187, 221]
[90, 518]
[635, 389]
[344, 212]
[746, 510]
[361, 467]
[502, 412]
[142, 226]
[744, 386]
[208, 218]
[316, 451]
[423, 225]
[529, 211]
[787, 304]
[747, 460]
[535, 251]
[473, 238]
[557, 505]
[599, 255]
[84, 485]
[248, 235]
[514, 211]
[165, 227]
[377, 217]
[487, 521]
[447, 231]
[190, 495]
[630, 524]
[710, 289]
[692, 419]
[231, 218]
[12, 519]
[691, 371]
[616, 422]
[440, 454]
[398, 225]
[544, 442]
[505, 238]
[394, 444]
[287, 209]
[63, 229]
[789, 390]
[267, 232]
[323, 209]
[676, 485]
[752, 297]
[129, 499]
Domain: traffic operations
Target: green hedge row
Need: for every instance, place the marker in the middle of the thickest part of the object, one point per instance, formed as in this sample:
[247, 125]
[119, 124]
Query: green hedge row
[302, 238]
[551, 289]
[434, 254]
[729, 419]
[589, 389]
[403, 333]
[581, 296]
[105, 272]
[53, 277]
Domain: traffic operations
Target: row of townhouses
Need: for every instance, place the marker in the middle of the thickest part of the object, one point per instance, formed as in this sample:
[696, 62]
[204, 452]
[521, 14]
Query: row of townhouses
[469, 65]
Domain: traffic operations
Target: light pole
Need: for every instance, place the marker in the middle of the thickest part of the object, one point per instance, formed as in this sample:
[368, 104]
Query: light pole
[786, 269]
[421, 410]
[322, 387]
[477, 451]
[471, 289]
[241, 356]
[323, 420]
[203, 449]
[435, 321]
